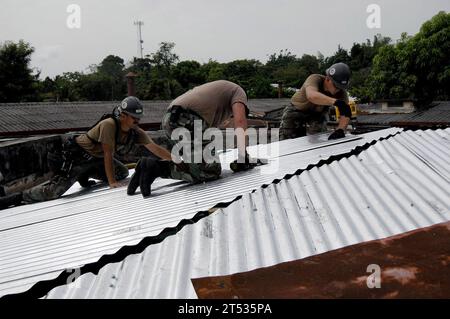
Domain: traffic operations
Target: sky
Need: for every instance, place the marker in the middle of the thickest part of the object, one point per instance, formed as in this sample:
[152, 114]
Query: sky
[201, 29]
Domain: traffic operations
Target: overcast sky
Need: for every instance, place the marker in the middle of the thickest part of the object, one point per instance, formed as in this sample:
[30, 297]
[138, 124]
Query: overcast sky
[223, 30]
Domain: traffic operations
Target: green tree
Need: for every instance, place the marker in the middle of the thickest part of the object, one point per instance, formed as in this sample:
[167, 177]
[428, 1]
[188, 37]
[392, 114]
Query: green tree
[242, 72]
[17, 81]
[112, 70]
[143, 68]
[97, 87]
[341, 55]
[389, 78]
[163, 61]
[47, 90]
[67, 86]
[282, 67]
[416, 67]
[213, 71]
[427, 58]
[306, 65]
[260, 87]
[111, 66]
[280, 60]
[291, 71]
[361, 55]
[188, 74]
[361, 62]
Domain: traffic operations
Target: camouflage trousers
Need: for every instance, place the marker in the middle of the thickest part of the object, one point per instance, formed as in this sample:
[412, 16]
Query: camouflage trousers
[198, 172]
[81, 169]
[296, 123]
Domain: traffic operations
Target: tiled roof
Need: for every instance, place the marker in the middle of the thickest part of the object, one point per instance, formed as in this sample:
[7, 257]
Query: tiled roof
[437, 115]
[38, 118]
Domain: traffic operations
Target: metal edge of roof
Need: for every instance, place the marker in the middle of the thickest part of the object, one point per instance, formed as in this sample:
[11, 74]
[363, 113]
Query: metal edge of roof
[392, 190]
[52, 275]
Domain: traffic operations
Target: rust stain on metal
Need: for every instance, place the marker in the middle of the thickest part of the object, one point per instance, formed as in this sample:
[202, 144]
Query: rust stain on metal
[415, 264]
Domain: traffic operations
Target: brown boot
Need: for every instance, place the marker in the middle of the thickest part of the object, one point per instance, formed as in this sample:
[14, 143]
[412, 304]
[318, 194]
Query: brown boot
[135, 179]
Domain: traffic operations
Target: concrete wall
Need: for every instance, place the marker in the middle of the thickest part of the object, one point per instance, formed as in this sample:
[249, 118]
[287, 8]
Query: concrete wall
[23, 162]
[399, 107]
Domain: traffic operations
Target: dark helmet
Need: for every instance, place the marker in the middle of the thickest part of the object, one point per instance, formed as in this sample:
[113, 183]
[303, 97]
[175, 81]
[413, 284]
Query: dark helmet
[340, 75]
[132, 106]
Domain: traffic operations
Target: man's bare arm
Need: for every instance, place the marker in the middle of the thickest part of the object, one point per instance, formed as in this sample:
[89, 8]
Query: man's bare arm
[314, 96]
[159, 151]
[318, 98]
[240, 121]
[108, 159]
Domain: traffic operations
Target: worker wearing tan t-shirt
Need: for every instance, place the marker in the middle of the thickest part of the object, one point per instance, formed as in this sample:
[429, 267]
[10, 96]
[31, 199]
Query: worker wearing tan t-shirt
[310, 104]
[212, 103]
[92, 155]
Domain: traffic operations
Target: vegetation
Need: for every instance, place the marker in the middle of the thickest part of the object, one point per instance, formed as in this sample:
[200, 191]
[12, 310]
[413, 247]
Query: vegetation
[415, 67]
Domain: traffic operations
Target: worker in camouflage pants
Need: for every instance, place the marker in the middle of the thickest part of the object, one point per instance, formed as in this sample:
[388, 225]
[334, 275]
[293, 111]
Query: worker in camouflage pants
[212, 104]
[295, 123]
[91, 155]
[307, 113]
[79, 166]
[198, 172]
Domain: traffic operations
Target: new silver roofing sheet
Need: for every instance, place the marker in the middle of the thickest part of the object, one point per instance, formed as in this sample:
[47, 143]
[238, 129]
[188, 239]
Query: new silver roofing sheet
[394, 186]
[41, 240]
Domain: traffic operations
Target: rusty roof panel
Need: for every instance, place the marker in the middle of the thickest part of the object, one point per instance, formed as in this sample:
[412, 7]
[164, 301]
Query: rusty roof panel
[411, 265]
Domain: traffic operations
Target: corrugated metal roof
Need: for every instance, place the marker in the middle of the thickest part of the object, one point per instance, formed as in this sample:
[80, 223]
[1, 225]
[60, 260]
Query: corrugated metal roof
[397, 185]
[41, 240]
[43, 117]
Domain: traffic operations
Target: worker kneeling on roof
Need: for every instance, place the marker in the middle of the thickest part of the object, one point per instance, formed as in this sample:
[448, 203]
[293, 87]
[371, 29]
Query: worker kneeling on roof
[91, 155]
[210, 105]
[309, 106]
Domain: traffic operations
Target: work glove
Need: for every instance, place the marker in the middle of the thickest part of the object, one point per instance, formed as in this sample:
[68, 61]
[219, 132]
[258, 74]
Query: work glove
[340, 103]
[339, 133]
[344, 108]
